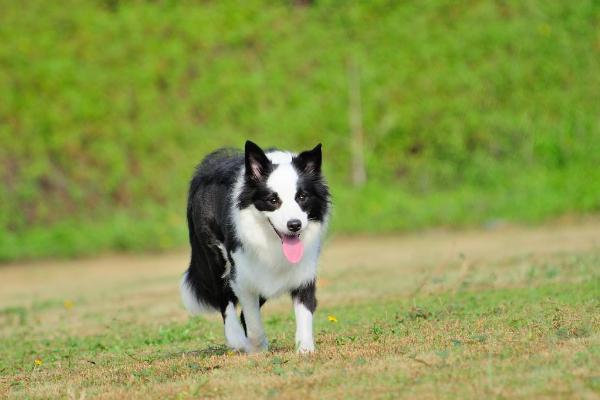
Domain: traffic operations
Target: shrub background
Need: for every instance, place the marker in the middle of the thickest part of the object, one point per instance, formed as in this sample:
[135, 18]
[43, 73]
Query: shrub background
[472, 111]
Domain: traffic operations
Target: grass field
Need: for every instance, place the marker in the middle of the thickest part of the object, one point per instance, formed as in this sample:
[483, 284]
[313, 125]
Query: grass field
[503, 313]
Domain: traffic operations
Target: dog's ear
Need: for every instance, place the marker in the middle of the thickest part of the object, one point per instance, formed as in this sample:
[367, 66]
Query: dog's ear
[309, 161]
[257, 163]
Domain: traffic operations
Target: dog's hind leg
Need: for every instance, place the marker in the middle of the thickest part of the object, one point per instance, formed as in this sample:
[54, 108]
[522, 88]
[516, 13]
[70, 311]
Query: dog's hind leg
[253, 322]
[262, 301]
[234, 332]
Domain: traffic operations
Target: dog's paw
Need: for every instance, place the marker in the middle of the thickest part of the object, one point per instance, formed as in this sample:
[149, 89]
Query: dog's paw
[257, 345]
[239, 344]
[305, 348]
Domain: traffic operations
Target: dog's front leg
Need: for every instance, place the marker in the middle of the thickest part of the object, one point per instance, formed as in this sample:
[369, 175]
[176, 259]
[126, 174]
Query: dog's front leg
[305, 304]
[254, 327]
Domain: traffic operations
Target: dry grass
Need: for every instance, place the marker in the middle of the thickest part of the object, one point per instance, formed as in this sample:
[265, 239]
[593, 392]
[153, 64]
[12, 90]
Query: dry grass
[505, 313]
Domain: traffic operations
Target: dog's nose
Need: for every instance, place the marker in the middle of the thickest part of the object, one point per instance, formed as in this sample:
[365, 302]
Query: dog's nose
[294, 225]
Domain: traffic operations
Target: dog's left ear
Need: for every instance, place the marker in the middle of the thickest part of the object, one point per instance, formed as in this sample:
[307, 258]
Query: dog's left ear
[310, 161]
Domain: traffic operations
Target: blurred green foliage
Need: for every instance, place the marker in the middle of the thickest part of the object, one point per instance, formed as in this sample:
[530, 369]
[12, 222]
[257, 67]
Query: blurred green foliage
[473, 111]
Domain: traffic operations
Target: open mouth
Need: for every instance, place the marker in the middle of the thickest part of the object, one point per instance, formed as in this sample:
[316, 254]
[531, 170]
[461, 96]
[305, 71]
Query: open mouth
[291, 245]
[283, 236]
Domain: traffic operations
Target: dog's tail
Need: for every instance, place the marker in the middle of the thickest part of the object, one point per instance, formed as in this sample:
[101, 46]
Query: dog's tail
[189, 298]
[196, 286]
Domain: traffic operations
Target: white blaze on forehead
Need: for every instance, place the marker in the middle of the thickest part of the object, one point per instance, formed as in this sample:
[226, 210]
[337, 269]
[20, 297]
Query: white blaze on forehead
[283, 180]
[279, 157]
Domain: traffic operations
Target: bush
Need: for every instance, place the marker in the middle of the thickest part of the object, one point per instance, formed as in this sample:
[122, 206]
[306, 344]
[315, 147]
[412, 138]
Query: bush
[472, 111]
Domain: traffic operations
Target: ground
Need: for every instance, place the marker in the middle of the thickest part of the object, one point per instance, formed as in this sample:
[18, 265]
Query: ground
[500, 312]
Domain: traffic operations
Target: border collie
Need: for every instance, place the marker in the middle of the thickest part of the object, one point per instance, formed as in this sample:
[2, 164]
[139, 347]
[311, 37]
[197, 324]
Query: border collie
[256, 220]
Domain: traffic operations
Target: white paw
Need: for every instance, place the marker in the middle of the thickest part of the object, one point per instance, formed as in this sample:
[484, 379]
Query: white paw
[239, 344]
[305, 348]
[257, 345]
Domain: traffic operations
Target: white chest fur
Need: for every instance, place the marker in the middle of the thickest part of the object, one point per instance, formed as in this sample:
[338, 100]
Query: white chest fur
[269, 274]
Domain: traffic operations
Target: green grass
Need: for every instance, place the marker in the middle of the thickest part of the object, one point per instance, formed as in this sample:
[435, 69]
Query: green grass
[526, 326]
[472, 112]
[442, 332]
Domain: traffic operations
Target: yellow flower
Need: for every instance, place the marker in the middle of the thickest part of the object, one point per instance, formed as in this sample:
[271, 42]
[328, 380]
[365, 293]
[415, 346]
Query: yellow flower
[332, 318]
[38, 362]
[68, 304]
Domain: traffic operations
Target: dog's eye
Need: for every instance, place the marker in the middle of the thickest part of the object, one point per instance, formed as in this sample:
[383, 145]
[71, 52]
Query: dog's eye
[273, 200]
[302, 196]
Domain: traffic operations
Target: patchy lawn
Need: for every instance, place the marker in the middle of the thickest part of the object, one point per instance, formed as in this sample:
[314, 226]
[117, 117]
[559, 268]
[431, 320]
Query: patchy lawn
[505, 313]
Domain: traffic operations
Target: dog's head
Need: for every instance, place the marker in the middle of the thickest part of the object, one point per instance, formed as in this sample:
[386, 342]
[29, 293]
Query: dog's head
[287, 190]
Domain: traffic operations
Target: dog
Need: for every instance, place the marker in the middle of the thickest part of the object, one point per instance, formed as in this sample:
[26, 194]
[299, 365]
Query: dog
[256, 223]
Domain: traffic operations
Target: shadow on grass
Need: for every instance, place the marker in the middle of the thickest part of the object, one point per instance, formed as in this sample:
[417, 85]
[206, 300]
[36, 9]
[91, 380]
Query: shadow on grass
[220, 350]
[209, 351]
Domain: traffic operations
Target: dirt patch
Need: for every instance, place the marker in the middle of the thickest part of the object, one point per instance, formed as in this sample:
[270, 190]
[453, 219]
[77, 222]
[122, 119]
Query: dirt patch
[31, 282]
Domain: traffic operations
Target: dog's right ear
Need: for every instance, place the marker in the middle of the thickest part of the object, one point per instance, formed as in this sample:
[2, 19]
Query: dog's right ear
[257, 163]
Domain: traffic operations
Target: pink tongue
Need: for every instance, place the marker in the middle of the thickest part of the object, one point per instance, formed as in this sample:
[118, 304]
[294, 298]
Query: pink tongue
[292, 248]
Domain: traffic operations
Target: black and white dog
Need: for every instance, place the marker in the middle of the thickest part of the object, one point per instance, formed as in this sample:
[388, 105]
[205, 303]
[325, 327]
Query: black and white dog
[256, 221]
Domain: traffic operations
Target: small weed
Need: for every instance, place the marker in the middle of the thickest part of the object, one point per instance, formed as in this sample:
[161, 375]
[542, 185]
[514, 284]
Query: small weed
[277, 364]
[345, 339]
[416, 313]
[573, 332]
[593, 382]
[13, 315]
[377, 332]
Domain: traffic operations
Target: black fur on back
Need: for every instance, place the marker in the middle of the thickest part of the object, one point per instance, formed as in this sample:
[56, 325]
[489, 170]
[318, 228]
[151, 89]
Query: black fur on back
[209, 223]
